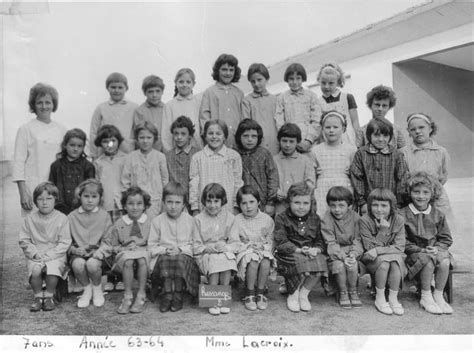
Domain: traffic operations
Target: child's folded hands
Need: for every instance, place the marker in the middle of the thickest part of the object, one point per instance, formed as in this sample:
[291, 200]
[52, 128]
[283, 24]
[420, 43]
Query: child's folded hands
[371, 254]
[313, 252]
[79, 251]
[349, 261]
[173, 251]
[220, 246]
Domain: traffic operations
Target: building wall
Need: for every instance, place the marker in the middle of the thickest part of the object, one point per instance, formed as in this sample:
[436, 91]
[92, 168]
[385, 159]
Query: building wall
[445, 93]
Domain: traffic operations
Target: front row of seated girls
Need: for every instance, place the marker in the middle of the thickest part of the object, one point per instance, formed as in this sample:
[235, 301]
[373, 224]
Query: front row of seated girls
[177, 248]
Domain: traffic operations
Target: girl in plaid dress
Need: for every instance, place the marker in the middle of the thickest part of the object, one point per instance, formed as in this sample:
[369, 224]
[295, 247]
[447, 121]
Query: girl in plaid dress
[383, 237]
[299, 247]
[259, 168]
[214, 244]
[378, 165]
[170, 245]
[333, 158]
[255, 259]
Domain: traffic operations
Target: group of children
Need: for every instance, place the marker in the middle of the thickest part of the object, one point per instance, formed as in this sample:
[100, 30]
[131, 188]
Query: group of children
[288, 183]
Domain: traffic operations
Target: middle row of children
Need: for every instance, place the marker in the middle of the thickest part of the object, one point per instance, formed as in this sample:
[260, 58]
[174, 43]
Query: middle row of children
[331, 163]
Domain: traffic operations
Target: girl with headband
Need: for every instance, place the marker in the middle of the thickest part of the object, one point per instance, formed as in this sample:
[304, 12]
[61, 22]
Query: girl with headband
[331, 79]
[424, 154]
[333, 158]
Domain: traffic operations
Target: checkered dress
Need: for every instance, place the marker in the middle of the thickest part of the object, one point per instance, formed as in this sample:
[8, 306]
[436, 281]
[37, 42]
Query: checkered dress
[373, 169]
[178, 266]
[292, 232]
[260, 171]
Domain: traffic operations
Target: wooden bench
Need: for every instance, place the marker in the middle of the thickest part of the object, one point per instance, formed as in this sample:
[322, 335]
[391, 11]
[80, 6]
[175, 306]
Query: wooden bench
[449, 289]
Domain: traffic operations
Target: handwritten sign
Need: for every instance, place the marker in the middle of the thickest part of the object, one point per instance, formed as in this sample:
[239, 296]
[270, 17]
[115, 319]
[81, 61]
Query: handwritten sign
[214, 295]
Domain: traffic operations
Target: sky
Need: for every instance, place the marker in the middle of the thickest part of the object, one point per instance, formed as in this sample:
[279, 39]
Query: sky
[74, 46]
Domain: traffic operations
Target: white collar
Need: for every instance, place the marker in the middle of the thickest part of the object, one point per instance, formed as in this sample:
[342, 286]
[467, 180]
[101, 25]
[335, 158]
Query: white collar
[334, 95]
[128, 221]
[81, 210]
[417, 211]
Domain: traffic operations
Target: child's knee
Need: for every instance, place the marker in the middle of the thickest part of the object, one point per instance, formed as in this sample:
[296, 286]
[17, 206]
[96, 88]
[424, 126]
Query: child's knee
[444, 264]
[384, 266]
[36, 272]
[78, 265]
[141, 262]
[128, 264]
[394, 268]
[94, 265]
[429, 267]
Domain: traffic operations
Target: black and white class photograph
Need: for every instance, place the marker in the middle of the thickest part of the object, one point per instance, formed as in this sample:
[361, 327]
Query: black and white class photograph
[235, 175]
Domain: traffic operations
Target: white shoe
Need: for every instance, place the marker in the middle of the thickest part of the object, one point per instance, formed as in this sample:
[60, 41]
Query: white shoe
[214, 310]
[108, 287]
[85, 298]
[383, 307]
[445, 307]
[282, 288]
[396, 307]
[430, 305]
[305, 305]
[293, 302]
[97, 296]
[119, 286]
[224, 309]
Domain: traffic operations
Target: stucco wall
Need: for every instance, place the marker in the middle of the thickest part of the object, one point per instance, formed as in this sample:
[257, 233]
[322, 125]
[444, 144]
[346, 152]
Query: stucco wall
[446, 94]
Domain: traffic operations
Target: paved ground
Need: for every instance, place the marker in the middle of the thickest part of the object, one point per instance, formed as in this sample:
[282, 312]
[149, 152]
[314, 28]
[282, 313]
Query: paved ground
[326, 318]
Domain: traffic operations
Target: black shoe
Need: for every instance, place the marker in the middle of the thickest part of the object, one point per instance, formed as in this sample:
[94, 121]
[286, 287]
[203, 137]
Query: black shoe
[49, 304]
[37, 305]
[165, 304]
[177, 302]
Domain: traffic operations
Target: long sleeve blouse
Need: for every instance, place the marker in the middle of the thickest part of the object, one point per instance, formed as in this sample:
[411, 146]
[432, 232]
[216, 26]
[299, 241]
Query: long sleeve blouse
[67, 175]
[261, 107]
[148, 171]
[167, 232]
[342, 233]
[119, 114]
[89, 230]
[292, 232]
[222, 102]
[36, 146]
[223, 167]
[373, 169]
[435, 230]
[181, 106]
[45, 236]
[259, 170]
[302, 108]
[109, 172]
[255, 230]
[389, 240]
[214, 229]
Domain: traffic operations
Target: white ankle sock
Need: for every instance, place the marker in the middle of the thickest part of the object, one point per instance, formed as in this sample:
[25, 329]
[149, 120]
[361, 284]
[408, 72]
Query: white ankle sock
[438, 296]
[304, 291]
[393, 296]
[380, 295]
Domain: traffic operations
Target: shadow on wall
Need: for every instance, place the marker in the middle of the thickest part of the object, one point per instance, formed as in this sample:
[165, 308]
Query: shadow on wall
[445, 93]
